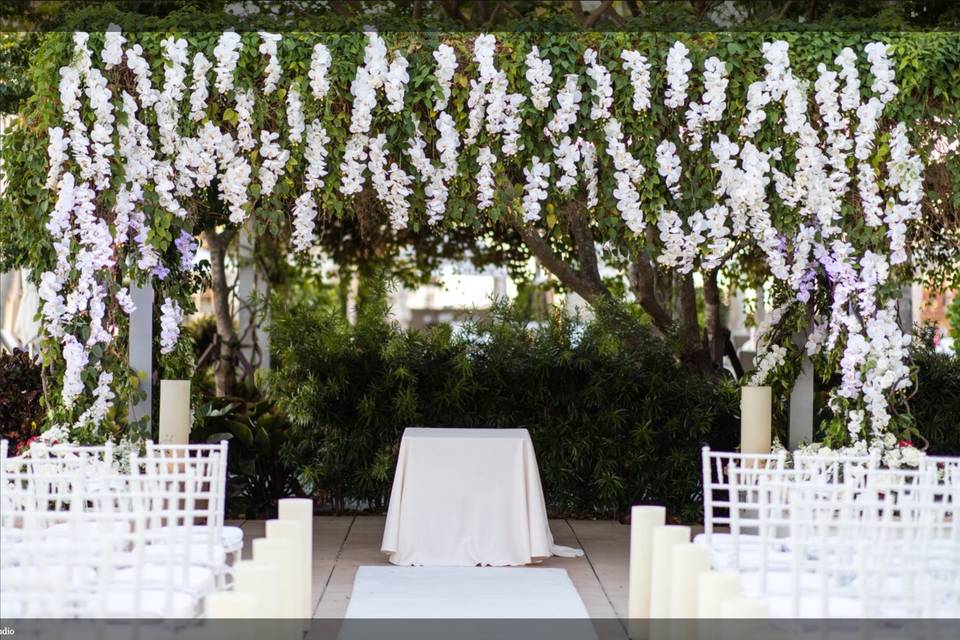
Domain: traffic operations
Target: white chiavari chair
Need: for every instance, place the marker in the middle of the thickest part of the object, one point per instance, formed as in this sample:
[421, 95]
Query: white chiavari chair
[213, 541]
[716, 467]
[99, 570]
[759, 527]
[833, 467]
[945, 467]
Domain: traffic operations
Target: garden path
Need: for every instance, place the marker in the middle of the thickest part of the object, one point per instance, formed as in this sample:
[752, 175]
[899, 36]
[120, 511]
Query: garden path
[341, 544]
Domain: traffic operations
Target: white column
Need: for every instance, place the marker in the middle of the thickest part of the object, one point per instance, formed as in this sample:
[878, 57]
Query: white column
[801, 407]
[140, 352]
[250, 284]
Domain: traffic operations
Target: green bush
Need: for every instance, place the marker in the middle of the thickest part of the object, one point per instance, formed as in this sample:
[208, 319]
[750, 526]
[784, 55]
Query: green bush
[614, 418]
[256, 476]
[936, 404]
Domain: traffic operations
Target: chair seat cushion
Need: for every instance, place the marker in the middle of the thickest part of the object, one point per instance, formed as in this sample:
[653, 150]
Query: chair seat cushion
[199, 580]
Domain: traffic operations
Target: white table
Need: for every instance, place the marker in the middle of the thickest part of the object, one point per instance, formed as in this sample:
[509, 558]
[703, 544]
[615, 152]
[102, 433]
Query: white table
[463, 497]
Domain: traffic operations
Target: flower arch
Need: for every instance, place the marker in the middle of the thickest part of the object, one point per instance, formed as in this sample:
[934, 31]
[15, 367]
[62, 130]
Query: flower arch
[810, 171]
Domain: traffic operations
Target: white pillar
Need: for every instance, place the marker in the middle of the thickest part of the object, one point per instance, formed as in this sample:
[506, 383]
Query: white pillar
[251, 284]
[801, 407]
[140, 352]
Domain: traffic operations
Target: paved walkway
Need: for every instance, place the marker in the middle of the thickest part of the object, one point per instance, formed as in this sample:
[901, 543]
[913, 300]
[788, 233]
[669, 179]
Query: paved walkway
[341, 544]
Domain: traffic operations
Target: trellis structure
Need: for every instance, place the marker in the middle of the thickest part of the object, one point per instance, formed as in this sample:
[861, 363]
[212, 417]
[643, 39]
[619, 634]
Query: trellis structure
[667, 152]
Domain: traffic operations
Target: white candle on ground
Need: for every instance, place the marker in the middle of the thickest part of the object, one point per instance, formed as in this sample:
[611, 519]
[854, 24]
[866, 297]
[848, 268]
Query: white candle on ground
[301, 510]
[687, 562]
[226, 604]
[259, 579]
[281, 552]
[174, 412]
[756, 416]
[643, 519]
[744, 608]
[713, 588]
[660, 571]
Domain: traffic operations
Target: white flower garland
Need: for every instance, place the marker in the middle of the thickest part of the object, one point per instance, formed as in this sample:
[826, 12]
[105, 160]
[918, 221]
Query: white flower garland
[295, 121]
[199, 92]
[227, 53]
[538, 75]
[628, 173]
[485, 180]
[535, 188]
[395, 83]
[668, 166]
[603, 86]
[639, 70]
[678, 66]
[171, 315]
[273, 70]
[320, 62]
[446, 66]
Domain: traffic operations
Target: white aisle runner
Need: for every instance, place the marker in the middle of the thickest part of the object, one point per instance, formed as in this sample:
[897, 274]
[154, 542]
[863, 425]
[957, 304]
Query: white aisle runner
[464, 592]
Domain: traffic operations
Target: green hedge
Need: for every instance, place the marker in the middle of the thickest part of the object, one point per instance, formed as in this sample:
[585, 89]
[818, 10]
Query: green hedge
[614, 418]
[936, 404]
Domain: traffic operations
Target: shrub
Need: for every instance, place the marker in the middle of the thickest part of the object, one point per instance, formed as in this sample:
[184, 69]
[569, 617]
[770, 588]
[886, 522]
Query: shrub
[614, 418]
[21, 387]
[256, 477]
[936, 403]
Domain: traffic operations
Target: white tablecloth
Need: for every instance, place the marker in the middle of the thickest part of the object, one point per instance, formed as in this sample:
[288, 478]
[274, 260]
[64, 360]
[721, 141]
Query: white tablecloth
[463, 497]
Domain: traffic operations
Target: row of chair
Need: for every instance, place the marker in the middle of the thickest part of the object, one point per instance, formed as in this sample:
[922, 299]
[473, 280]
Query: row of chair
[85, 536]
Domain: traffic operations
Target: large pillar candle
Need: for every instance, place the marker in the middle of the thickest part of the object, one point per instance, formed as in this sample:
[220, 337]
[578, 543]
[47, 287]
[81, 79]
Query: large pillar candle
[643, 520]
[174, 412]
[259, 579]
[756, 411]
[281, 552]
[687, 562]
[226, 604]
[744, 609]
[664, 538]
[301, 510]
[713, 588]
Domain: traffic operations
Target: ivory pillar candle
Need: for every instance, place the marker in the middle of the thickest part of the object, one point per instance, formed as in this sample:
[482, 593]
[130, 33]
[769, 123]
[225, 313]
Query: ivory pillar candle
[756, 411]
[227, 604]
[293, 531]
[713, 588]
[664, 538]
[744, 609]
[643, 519]
[281, 552]
[301, 510]
[259, 579]
[174, 412]
[687, 562]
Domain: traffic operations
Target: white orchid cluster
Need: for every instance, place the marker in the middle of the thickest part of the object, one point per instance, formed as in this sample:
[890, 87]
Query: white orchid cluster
[639, 68]
[628, 172]
[678, 80]
[320, 61]
[535, 190]
[538, 75]
[272, 71]
[491, 107]
[446, 66]
[602, 86]
[712, 104]
[171, 315]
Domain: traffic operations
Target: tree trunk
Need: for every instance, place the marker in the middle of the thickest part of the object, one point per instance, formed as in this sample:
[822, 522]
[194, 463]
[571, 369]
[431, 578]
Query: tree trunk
[583, 277]
[716, 338]
[225, 369]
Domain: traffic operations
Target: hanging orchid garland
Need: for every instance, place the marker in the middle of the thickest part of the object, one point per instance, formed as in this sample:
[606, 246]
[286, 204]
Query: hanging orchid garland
[157, 146]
